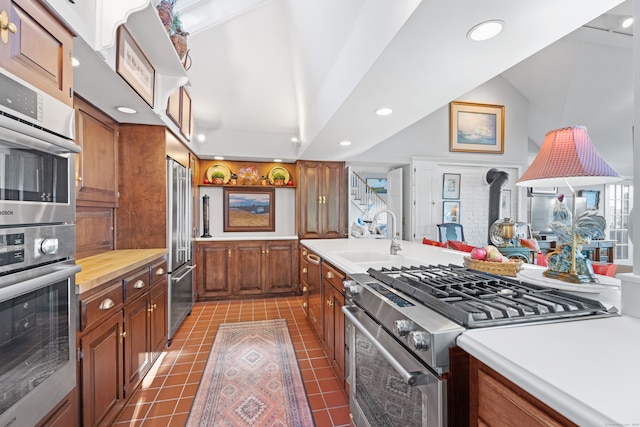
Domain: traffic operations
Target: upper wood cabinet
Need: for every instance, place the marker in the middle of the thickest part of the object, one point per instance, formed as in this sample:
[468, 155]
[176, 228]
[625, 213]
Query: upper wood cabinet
[179, 111]
[97, 163]
[40, 50]
[321, 201]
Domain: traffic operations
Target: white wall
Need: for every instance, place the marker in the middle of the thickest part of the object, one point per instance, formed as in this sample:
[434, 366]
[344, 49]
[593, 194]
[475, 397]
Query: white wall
[285, 214]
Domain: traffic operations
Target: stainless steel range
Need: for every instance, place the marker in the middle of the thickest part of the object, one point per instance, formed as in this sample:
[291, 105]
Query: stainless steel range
[401, 323]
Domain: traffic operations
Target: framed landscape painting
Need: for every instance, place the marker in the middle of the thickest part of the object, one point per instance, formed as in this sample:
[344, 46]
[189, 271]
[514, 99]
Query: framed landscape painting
[249, 209]
[476, 128]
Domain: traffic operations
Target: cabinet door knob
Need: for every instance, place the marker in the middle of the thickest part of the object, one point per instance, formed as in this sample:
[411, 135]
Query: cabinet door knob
[6, 27]
[324, 199]
[106, 304]
[305, 289]
[160, 271]
[267, 251]
[139, 284]
[329, 274]
[304, 270]
[229, 252]
[329, 303]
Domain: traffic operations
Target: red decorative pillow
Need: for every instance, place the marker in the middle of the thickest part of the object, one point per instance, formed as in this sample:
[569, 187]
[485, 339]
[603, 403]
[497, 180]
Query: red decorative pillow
[426, 241]
[459, 246]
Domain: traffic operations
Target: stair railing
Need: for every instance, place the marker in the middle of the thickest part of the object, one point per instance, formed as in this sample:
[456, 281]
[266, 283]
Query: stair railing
[364, 197]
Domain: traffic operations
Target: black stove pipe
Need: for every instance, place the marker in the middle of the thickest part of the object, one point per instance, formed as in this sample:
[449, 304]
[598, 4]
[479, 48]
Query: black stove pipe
[496, 180]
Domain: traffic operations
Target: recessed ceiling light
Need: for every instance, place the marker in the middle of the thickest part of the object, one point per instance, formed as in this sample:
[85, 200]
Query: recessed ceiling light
[75, 62]
[277, 160]
[384, 111]
[294, 139]
[218, 158]
[485, 30]
[626, 23]
[200, 137]
[345, 143]
[126, 110]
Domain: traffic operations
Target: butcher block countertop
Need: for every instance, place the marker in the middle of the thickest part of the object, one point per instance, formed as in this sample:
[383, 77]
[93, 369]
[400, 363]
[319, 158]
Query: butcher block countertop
[101, 268]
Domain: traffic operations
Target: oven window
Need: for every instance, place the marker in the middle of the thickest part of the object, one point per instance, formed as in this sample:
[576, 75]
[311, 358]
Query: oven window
[33, 176]
[383, 395]
[34, 340]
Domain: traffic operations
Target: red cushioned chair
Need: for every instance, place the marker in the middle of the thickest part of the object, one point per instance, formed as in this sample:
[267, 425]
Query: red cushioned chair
[430, 242]
[459, 246]
[605, 269]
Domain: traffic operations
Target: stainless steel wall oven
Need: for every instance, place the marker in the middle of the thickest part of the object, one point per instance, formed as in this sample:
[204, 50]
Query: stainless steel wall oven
[37, 249]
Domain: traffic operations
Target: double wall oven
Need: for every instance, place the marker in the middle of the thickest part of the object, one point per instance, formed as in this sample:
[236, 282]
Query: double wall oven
[401, 323]
[37, 250]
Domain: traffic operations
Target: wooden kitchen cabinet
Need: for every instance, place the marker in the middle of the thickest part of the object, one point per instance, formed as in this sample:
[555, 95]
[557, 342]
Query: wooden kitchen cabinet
[64, 414]
[333, 317]
[39, 51]
[122, 330]
[245, 268]
[97, 163]
[314, 292]
[321, 200]
[496, 401]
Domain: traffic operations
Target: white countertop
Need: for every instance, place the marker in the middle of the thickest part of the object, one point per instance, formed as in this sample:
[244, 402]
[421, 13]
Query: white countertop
[588, 370]
[243, 237]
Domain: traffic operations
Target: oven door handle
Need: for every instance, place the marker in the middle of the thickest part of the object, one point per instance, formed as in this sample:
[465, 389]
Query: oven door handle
[412, 378]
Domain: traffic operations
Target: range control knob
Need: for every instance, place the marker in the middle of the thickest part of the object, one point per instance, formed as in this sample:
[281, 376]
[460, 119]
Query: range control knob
[419, 340]
[402, 327]
[351, 286]
[47, 246]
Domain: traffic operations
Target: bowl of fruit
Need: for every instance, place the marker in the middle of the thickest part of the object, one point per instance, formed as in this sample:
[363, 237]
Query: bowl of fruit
[489, 260]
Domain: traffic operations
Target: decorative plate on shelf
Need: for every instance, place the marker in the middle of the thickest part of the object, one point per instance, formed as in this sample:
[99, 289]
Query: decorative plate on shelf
[219, 168]
[279, 169]
[248, 175]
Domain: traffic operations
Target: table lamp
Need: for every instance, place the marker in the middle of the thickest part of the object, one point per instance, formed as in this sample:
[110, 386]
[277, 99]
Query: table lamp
[568, 158]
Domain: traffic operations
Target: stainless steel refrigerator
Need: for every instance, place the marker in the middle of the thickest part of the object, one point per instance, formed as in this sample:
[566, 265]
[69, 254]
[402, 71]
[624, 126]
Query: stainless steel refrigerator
[179, 241]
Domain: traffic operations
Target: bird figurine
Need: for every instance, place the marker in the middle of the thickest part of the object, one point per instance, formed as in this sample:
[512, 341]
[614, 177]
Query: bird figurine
[588, 225]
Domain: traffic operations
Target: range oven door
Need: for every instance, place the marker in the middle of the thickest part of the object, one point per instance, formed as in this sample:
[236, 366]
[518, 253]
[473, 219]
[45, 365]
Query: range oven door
[37, 341]
[388, 385]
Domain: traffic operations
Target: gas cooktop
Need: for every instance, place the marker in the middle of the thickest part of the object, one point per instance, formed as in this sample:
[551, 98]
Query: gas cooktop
[476, 299]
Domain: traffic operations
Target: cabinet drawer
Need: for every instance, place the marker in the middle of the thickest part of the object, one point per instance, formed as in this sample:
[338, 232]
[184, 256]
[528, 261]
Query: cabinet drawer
[158, 272]
[136, 284]
[100, 305]
[333, 276]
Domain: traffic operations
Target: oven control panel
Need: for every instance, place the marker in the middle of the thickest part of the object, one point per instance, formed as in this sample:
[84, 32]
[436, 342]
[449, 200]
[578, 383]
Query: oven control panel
[25, 247]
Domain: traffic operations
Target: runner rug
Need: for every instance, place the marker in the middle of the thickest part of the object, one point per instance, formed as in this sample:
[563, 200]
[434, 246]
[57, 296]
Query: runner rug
[251, 378]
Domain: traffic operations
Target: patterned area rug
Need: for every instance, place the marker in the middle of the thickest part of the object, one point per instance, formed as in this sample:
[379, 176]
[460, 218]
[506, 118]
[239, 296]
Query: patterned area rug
[252, 378]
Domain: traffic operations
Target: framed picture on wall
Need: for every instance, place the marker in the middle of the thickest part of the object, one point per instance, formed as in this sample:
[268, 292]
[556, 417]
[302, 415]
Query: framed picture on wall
[379, 185]
[451, 212]
[451, 186]
[476, 128]
[592, 197]
[249, 209]
[134, 67]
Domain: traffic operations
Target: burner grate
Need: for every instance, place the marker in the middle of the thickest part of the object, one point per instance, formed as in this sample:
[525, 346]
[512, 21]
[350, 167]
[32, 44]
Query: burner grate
[476, 299]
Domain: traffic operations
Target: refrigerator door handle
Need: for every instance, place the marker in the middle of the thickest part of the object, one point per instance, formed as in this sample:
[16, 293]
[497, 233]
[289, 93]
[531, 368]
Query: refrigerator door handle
[189, 269]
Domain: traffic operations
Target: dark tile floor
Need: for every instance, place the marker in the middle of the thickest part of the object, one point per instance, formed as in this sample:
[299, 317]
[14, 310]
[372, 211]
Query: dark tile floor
[165, 396]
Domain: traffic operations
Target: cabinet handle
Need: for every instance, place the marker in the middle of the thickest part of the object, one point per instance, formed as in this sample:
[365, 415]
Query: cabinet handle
[79, 178]
[324, 199]
[6, 27]
[304, 270]
[229, 252]
[123, 335]
[139, 284]
[304, 253]
[106, 304]
[330, 303]
[263, 252]
[25, 306]
[152, 308]
[267, 251]
[313, 259]
[305, 289]
[304, 304]
[329, 274]
[160, 271]
[319, 199]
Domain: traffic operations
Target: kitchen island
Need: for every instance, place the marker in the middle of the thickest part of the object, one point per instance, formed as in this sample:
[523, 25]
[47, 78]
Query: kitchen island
[566, 365]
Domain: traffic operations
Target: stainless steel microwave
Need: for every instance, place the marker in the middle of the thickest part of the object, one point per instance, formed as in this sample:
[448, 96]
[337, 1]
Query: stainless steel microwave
[36, 155]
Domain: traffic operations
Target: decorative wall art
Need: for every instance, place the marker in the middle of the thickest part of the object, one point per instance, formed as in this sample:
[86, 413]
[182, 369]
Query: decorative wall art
[249, 209]
[451, 186]
[379, 185]
[476, 128]
[134, 67]
[592, 197]
[451, 212]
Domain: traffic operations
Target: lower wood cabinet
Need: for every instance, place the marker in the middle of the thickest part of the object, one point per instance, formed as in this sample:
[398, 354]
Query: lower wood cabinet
[333, 317]
[496, 401]
[123, 328]
[246, 268]
[64, 414]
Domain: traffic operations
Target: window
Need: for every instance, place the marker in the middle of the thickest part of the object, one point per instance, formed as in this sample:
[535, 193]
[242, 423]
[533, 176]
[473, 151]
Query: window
[620, 202]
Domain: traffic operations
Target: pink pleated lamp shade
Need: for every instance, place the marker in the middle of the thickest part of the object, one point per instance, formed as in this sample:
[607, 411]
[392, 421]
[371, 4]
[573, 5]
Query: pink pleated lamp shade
[568, 156]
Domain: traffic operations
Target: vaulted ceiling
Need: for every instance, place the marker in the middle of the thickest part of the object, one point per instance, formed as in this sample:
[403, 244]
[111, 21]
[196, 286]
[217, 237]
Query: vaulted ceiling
[264, 71]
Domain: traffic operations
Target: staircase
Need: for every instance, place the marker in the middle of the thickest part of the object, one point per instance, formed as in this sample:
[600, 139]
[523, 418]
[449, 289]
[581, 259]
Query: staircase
[366, 201]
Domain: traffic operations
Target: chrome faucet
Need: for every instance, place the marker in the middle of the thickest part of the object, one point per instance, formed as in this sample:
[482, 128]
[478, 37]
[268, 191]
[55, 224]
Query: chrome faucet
[395, 245]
